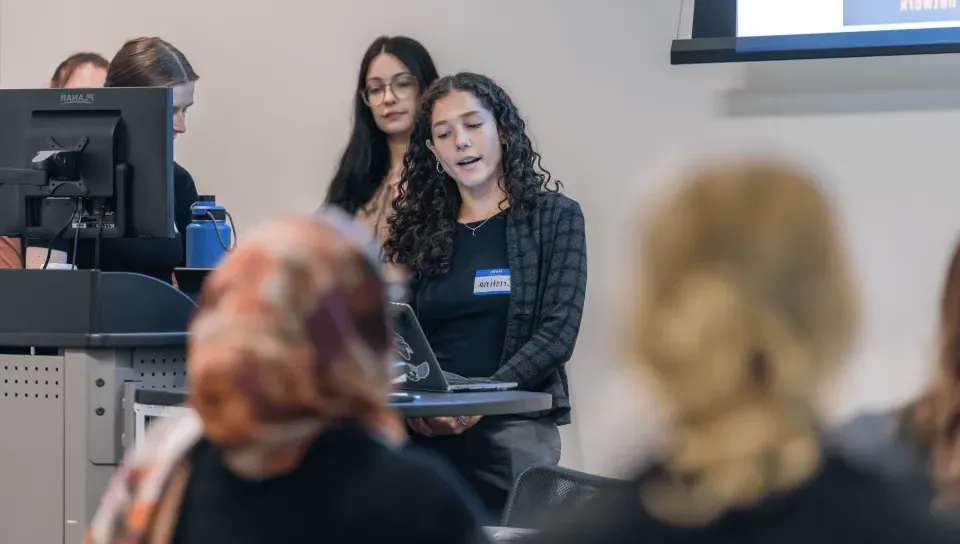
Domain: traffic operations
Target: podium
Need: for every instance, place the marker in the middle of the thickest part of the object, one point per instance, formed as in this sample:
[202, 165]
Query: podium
[71, 343]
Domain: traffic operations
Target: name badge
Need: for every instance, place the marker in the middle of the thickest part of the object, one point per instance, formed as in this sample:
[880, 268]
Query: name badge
[492, 282]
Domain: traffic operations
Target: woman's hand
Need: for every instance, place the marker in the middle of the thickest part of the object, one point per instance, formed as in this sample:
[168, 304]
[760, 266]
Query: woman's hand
[442, 426]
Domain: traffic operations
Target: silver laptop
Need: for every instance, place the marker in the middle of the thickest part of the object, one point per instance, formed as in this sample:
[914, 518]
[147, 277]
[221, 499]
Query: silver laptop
[423, 372]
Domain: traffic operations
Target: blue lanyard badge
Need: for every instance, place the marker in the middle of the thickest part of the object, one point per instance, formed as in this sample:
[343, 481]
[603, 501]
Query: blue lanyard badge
[492, 282]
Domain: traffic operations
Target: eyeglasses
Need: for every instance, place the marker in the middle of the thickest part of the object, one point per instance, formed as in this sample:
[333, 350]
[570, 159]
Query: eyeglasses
[401, 85]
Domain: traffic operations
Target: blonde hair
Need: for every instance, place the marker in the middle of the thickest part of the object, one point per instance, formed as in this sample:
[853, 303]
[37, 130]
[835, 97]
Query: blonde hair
[745, 303]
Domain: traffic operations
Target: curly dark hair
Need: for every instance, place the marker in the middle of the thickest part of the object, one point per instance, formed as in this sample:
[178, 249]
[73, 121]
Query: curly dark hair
[428, 204]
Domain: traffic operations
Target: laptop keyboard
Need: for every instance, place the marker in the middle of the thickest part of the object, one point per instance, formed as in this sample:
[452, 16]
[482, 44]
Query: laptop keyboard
[456, 379]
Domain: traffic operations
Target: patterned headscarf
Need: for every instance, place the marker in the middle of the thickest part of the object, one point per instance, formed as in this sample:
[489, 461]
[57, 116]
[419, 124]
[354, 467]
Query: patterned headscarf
[290, 338]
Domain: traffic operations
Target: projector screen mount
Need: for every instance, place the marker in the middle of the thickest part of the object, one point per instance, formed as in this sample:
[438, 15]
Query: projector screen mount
[715, 31]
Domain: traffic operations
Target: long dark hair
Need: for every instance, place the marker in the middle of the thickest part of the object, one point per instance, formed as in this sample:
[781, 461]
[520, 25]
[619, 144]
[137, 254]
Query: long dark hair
[421, 230]
[149, 62]
[366, 160]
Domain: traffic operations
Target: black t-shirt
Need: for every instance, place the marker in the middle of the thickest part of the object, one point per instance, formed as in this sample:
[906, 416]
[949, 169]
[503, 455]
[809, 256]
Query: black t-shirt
[350, 487]
[156, 258]
[464, 312]
[839, 505]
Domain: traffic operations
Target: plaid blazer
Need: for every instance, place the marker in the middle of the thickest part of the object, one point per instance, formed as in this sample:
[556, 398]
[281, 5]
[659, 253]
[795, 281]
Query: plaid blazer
[547, 254]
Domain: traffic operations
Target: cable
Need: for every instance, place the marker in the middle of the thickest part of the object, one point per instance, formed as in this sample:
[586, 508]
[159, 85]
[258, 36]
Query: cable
[217, 230]
[53, 240]
[76, 233]
[96, 246]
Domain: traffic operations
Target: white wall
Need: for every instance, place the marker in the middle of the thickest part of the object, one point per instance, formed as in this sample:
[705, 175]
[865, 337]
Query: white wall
[610, 115]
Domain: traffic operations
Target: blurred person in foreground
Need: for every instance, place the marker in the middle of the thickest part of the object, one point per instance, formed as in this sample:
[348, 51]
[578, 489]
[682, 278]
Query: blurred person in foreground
[918, 445]
[290, 439]
[745, 305]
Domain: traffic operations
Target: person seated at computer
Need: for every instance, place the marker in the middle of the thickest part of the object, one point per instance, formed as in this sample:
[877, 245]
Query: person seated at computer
[141, 62]
[291, 439]
[393, 74]
[10, 253]
[499, 270]
[745, 304]
[918, 445]
[80, 70]
[77, 70]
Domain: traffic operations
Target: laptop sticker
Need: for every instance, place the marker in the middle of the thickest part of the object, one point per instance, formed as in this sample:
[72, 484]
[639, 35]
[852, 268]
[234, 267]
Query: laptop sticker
[418, 372]
[403, 349]
[495, 281]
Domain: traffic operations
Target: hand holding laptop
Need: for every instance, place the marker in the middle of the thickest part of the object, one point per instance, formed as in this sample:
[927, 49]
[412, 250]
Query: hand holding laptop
[442, 426]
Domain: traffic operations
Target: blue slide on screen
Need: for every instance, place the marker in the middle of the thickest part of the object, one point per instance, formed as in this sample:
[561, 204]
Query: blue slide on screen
[890, 12]
[816, 24]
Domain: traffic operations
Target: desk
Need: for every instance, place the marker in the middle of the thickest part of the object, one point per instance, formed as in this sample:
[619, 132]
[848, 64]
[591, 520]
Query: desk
[493, 403]
[77, 351]
[166, 402]
[71, 342]
[62, 428]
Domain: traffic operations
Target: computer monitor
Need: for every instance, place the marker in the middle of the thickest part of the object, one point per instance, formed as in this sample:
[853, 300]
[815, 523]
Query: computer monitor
[95, 163]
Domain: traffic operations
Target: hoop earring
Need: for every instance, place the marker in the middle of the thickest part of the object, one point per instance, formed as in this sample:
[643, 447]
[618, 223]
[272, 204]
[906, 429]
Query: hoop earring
[439, 168]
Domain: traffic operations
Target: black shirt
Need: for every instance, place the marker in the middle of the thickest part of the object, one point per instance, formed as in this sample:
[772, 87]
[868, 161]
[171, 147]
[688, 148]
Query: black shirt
[350, 487]
[840, 504]
[156, 258]
[464, 312]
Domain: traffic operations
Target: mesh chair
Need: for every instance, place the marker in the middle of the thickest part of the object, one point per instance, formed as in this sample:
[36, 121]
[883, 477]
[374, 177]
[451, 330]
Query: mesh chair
[546, 493]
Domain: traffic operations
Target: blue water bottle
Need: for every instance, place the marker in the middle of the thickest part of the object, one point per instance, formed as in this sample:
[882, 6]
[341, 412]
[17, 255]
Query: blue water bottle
[209, 237]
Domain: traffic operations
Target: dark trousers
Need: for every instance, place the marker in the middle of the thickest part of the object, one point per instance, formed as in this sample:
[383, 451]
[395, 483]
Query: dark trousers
[491, 454]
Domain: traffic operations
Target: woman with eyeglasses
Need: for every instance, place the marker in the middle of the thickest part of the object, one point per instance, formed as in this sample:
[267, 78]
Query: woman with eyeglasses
[393, 73]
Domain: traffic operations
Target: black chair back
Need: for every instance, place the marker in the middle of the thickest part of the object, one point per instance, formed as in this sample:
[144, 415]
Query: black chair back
[544, 494]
